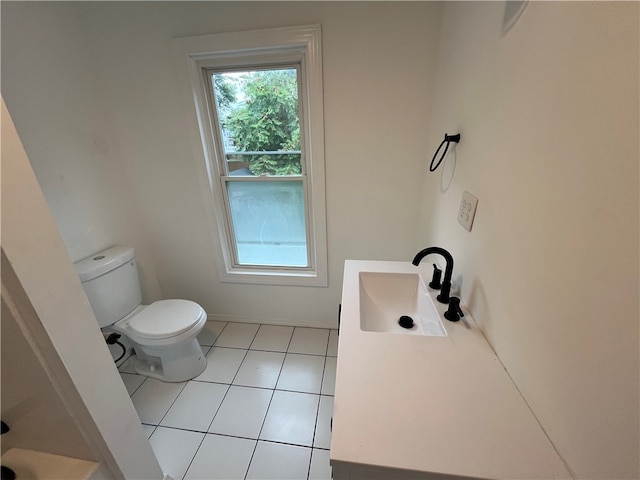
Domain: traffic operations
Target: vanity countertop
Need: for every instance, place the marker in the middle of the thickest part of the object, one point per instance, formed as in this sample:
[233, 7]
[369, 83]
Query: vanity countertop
[443, 405]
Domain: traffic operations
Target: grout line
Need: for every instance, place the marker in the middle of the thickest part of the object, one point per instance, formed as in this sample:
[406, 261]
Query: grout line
[293, 332]
[315, 429]
[155, 427]
[257, 439]
[305, 354]
[324, 369]
[315, 425]
[235, 436]
[194, 454]
[135, 389]
[267, 411]
[267, 388]
[174, 401]
[221, 332]
[296, 391]
[263, 350]
[287, 444]
[178, 428]
[254, 337]
[246, 352]
[141, 383]
[219, 407]
[240, 348]
[326, 347]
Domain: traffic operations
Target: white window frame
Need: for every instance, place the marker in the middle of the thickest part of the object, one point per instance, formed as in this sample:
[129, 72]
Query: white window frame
[270, 47]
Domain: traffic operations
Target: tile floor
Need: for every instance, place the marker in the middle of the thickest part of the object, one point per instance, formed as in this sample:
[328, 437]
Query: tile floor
[261, 409]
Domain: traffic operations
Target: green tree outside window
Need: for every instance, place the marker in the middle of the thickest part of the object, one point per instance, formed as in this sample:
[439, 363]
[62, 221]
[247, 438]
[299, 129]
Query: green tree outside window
[259, 113]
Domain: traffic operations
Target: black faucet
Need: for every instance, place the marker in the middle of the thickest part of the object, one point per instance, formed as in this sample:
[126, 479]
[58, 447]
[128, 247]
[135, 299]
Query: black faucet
[448, 271]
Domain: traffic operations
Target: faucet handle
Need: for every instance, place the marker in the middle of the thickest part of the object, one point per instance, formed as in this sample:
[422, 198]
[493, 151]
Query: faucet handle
[454, 312]
[435, 280]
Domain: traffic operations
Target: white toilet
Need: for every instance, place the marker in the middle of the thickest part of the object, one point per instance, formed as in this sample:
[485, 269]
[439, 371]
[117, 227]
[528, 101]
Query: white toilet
[163, 334]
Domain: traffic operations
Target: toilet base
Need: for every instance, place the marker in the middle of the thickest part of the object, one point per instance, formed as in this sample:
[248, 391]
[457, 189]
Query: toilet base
[179, 363]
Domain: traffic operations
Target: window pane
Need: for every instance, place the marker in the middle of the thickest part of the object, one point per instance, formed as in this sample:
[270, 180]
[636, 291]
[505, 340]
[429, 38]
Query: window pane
[259, 121]
[269, 222]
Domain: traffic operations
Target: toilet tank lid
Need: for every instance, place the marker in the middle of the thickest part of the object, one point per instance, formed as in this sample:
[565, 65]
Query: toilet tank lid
[103, 262]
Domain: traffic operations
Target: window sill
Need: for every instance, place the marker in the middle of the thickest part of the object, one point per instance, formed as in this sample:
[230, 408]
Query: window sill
[274, 277]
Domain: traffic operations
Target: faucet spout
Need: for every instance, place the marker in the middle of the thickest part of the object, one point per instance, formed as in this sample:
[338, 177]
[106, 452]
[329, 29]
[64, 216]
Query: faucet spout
[448, 272]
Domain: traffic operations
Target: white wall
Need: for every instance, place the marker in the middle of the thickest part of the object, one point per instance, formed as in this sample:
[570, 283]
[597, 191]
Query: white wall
[53, 88]
[549, 122]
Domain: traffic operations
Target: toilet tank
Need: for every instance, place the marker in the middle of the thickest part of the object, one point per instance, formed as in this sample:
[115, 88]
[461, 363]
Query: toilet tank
[110, 280]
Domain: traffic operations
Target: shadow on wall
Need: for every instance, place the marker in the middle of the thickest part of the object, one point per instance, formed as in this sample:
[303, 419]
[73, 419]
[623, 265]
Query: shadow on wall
[448, 170]
[479, 305]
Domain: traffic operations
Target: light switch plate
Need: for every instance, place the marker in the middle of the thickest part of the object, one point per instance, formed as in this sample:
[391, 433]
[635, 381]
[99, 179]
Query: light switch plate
[467, 210]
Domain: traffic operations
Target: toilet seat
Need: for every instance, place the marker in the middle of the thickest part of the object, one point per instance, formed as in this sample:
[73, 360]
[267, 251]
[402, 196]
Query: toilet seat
[164, 336]
[166, 318]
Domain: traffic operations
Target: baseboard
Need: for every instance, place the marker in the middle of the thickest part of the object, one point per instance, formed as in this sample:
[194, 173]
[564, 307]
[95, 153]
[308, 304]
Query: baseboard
[333, 324]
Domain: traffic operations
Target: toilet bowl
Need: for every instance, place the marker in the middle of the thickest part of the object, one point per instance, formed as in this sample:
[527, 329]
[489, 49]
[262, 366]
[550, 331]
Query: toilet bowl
[163, 334]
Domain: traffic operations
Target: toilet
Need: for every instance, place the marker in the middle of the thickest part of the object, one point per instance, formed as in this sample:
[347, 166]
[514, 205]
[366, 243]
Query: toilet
[163, 334]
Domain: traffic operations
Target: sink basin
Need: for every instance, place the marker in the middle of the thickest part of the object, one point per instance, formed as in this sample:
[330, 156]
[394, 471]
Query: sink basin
[387, 296]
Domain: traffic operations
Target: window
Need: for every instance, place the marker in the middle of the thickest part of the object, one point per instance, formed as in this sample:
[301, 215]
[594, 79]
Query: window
[258, 120]
[257, 100]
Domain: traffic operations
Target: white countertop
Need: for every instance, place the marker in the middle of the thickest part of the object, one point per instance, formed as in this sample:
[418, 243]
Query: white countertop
[432, 404]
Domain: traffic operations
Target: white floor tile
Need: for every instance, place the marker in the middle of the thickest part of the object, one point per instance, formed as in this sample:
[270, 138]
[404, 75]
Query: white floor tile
[148, 429]
[332, 349]
[129, 365]
[279, 462]
[222, 365]
[291, 418]
[175, 449]
[320, 467]
[132, 382]
[223, 458]
[210, 332]
[196, 406]
[242, 412]
[293, 415]
[309, 340]
[153, 399]
[272, 338]
[260, 369]
[237, 335]
[322, 438]
[329, 379]
[301, 373]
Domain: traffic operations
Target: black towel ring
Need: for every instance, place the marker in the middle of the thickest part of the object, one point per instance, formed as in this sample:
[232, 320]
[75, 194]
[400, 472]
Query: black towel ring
[447, 140]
